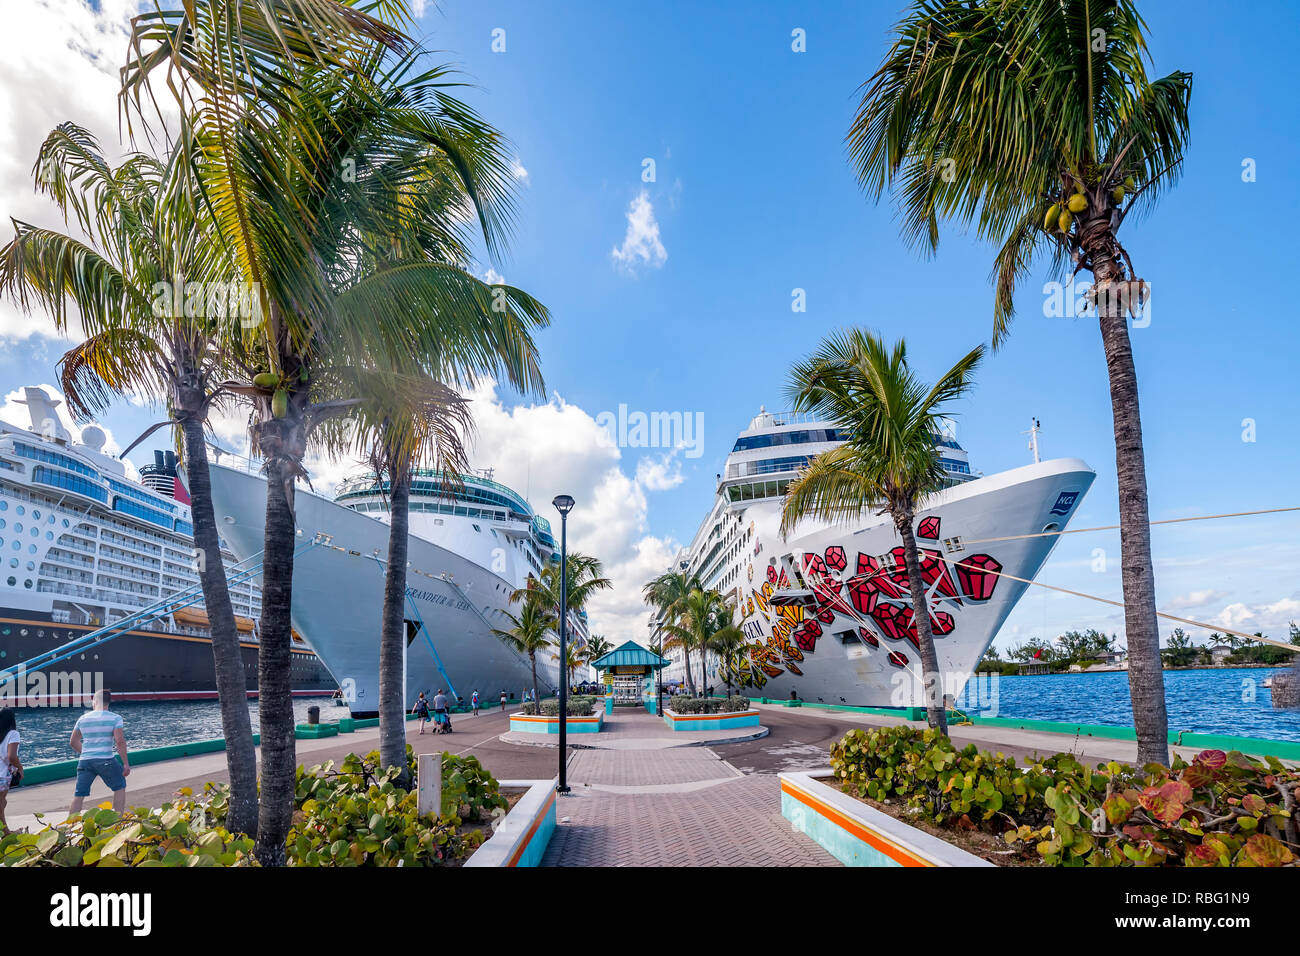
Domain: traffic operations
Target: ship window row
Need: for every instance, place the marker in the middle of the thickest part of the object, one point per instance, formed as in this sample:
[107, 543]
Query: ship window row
[54, 458]
[755, 490]
[801, 437]
[960, 467]
[767, 466]
[131, 541]
[74, 483]
[139, 495]
[137, 510]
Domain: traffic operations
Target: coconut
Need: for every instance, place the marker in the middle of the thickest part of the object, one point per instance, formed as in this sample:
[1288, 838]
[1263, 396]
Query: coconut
[1128, 182]
[1078, 203]
[1117, 194]
[1053, 213]
[280, 403]
[266, 380]
[1065, 221]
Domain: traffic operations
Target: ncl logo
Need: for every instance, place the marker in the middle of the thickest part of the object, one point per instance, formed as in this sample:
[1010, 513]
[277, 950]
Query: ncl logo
[1064, 502]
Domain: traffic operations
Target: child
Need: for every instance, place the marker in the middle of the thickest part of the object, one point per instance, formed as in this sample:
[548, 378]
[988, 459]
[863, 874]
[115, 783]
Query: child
[421, 710]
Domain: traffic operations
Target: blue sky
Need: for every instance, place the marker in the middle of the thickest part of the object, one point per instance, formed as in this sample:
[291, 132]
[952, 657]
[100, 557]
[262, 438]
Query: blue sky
[753, 198]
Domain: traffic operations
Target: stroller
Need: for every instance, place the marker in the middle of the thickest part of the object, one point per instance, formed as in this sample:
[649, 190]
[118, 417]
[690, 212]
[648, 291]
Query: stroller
[441, 722]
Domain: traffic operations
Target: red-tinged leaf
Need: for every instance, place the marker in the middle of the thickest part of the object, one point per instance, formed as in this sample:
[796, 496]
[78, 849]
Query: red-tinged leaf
[1264, 850]
[1176, 791]
[1198, 775]
[1166, 811]
[1253, 803]
[1214, 759]
[1201, 855]
[1117, 809]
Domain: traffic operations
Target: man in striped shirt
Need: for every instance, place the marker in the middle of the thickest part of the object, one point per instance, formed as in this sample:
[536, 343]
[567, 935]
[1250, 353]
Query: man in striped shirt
[97, 734]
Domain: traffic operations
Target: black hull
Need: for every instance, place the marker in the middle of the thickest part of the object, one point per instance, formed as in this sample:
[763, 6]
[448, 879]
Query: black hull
[137, 664]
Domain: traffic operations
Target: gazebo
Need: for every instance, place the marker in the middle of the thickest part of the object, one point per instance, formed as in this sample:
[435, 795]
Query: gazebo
[626, 672]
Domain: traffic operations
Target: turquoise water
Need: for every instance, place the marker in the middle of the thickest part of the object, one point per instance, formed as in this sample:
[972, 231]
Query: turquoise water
[45, 730]
[1202, 701]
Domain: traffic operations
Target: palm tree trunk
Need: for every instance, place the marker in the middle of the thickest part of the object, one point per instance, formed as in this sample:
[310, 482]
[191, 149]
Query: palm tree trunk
[275, 705]
[704, 663]
[392, 642]
[690, 679]
[932, 679]
[537, 701]
[227, 659]
[1141, 629]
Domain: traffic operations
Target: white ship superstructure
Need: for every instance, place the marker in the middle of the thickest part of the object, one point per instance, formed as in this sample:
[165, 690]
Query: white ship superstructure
[82, 545]
[827, 609]
[472, 543]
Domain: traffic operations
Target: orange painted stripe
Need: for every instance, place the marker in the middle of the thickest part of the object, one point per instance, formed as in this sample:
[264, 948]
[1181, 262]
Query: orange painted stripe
[677, 717]
[528, 837]
[870, 837]
[556, 720]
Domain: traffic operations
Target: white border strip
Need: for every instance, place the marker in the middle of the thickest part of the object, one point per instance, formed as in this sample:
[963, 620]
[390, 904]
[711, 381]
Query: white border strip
[517, 824]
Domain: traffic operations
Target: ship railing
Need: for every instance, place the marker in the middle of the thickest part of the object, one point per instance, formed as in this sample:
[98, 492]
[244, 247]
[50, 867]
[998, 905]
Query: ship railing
[146, 615]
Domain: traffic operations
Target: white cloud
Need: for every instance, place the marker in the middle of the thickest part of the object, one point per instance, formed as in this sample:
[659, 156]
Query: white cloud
[492, 277]
[1194, 599]
[661, 474]
[1272, 619]
[641, 244]
[517, 170]
[59, 62]
[558, 448]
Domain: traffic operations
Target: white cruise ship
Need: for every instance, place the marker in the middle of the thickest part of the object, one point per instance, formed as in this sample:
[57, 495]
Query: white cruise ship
[828, 610]
[470, 548]
[82, 547]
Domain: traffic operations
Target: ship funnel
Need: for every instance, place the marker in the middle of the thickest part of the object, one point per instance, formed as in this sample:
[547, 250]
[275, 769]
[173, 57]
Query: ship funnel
[158, 460]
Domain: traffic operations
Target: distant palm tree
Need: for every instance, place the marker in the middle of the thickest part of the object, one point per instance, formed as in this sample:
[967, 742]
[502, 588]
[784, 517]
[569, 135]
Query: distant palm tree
[995, 112]
[575, 657]
[597, 647]
[706, 618]
[529, 633]
[584, 578]
[729, 644]
[149, 234]
[888, 459]
[668, 593]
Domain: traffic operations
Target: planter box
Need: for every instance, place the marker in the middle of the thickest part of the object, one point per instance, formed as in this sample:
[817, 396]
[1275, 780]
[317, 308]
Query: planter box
[859, 835]
[541, 724]
[742, 718]
[522, 836]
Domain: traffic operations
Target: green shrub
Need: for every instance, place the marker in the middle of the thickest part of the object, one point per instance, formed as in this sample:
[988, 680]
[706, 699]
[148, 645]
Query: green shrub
[708, 705]
[580, 706]
[354, 815]
[1223, 809]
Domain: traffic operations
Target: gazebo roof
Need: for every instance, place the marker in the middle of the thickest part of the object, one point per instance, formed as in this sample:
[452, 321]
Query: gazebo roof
[630, 654]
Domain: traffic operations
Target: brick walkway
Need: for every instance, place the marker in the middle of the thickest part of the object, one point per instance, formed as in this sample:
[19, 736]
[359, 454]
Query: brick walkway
[671, 807]
[734, 823]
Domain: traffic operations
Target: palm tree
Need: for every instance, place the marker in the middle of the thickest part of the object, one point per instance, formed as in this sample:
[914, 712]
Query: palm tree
[668, 593]
[148, 234]
[706, 617]
[575, 657]
[729, 645]
[597, 647]
[584, 578]
[308, 242]
[888, 460]
[412, 418]
[991, 111]
[529, 632]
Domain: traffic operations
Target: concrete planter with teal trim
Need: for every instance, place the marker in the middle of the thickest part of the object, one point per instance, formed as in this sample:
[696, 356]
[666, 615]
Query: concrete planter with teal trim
[543, 724]
[742, 718]
[860, 835]
[522, 836]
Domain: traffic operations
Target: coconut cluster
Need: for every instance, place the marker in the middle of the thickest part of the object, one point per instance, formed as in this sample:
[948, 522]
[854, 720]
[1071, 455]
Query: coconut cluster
[1060, 215]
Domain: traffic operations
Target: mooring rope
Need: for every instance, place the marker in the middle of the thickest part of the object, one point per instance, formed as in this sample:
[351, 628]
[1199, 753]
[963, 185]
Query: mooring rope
[1113, 527]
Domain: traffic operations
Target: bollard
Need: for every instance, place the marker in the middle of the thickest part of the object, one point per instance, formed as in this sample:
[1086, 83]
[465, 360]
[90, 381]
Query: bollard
[429, 800]
[313, 714]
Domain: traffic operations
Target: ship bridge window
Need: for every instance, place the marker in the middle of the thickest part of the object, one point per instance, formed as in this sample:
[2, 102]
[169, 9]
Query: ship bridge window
[54, 458]
[126, 506]
[60, 479]
[800, 437]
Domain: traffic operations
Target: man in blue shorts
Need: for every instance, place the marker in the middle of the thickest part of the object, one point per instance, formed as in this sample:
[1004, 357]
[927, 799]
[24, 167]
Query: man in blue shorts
[97, 734]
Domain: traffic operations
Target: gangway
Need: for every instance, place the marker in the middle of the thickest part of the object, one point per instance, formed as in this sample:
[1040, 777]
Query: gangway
[420, 626]
[146, 615]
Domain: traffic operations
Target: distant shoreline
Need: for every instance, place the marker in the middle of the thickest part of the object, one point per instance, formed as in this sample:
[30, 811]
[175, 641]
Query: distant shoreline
[1124, 670]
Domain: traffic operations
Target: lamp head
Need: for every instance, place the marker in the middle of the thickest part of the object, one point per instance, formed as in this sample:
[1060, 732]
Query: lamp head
[563, 503]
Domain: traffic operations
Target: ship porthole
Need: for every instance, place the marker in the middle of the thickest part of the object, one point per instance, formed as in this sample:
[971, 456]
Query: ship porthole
[1048, 529]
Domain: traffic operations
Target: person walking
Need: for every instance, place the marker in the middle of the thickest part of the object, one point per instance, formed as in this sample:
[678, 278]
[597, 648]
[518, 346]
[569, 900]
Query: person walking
[11, 768]
[421, 710]
[440, 710]
[474, 701]
[96, 735]
[503, 700]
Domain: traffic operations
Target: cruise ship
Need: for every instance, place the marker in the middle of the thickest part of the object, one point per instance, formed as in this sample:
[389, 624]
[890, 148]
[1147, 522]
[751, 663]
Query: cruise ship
[828, 610]
[82, 546]
[472, 544]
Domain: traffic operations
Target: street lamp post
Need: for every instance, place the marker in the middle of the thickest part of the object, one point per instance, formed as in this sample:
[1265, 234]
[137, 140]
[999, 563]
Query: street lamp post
[564, 504]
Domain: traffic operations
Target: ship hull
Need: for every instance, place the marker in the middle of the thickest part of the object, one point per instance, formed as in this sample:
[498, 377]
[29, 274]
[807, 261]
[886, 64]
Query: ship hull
[136, 665]
[852, 641]
[338, 588]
